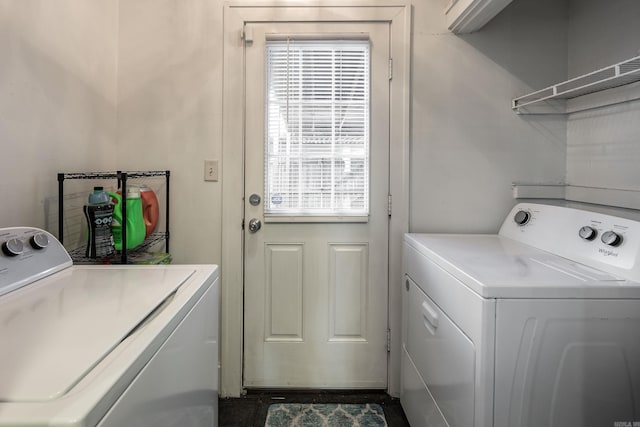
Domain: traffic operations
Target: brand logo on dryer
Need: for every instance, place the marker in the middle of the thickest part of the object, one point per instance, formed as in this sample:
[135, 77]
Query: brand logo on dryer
[608, 252]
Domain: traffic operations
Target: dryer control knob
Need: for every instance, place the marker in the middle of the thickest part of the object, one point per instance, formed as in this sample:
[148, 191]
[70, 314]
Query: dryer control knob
[13, 247]
[611, 238]
[522, 217]
[588, 233]
[39, 241]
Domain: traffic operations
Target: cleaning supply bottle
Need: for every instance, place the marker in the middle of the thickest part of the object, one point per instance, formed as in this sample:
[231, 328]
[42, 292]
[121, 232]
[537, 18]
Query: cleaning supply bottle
[150, 209]
[99, 214]
[136, 229]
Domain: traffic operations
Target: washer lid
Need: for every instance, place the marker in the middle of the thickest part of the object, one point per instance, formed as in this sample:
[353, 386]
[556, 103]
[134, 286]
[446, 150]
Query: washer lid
[56, 330]
[498, 267]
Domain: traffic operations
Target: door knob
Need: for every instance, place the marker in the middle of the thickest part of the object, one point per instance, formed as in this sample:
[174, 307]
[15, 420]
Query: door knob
[254, 225]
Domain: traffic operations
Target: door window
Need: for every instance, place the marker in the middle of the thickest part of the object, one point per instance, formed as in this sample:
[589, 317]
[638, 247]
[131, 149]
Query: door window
[317, 128]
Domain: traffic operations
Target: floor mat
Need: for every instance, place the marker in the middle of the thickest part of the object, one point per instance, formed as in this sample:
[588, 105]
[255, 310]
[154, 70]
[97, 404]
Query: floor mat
[325, 415]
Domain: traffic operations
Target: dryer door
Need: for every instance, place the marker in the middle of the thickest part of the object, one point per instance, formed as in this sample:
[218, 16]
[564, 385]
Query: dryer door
[443, 355]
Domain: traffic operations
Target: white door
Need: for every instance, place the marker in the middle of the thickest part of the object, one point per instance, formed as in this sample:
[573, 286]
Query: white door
[317, 180]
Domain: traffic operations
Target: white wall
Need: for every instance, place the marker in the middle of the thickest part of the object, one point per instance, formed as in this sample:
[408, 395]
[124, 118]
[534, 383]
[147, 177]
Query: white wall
[170, 111]
[603, 145]
[467, 144]
[57, 100]
[601, 33]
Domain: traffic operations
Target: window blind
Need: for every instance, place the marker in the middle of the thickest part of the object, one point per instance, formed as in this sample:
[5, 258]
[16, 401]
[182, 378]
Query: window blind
[317, 128]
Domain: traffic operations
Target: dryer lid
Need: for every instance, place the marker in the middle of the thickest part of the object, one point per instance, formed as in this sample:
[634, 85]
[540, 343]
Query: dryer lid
[58, 329]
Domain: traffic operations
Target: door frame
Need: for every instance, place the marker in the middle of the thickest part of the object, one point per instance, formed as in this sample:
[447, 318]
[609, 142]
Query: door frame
[236, 14]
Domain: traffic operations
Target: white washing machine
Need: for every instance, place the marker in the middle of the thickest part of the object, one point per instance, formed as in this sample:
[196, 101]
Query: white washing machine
[537, 326]
[104, 345]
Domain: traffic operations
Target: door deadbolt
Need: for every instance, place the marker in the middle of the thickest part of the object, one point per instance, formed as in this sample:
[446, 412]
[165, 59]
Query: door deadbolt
[254, 225]
[254, 199]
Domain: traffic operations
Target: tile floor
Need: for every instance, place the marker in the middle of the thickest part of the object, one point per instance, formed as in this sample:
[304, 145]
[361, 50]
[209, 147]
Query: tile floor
[251, 410]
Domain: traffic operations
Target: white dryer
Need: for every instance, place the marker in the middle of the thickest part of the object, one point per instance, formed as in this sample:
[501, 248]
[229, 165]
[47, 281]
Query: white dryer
[104, 345]
[537, 326]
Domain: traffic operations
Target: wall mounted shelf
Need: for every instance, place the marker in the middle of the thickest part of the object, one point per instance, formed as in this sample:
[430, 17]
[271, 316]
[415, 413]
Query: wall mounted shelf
[620, 74]
[467, 16]
[616, 197]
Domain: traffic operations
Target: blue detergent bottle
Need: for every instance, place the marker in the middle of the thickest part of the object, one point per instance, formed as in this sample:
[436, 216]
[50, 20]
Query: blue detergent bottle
[99, 215]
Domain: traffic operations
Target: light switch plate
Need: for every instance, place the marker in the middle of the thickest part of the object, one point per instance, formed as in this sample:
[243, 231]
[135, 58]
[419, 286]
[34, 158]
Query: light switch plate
[210, 170]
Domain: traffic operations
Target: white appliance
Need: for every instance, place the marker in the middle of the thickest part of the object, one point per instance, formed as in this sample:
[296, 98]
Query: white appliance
[104, 345]
[537, 326]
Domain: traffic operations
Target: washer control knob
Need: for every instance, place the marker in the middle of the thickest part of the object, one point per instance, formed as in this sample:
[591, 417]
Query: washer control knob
[611, 238]
[13, 247]
[39, 241]
[522, 217]
[588, 233]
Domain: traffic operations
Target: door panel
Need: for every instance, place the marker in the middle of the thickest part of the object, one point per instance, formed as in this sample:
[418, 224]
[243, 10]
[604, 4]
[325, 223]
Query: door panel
[316, 290]
[348, 268]
[283, 305]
